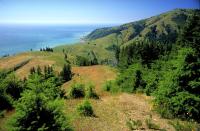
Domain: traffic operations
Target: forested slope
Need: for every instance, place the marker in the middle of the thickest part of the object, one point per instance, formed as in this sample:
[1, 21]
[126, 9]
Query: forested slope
[164, 27]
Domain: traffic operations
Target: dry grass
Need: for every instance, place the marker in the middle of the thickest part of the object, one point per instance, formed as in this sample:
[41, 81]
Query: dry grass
[112, 112]
[3, 121]
[25, 70]
[96, 75]
[37, 59]
[9, 62]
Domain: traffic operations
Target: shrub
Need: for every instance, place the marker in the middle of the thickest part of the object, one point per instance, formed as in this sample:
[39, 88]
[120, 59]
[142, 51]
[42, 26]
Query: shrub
[77, 90]
[134, 124]
[131, 79]
[151, 125]
[88, 60]
[2, 113]
[35, 111]
[13, 86]
[85, 109]
[90, 93]
[82, 61]
[6, 101]
[50, 86]
[107, 86]
[111, 86]
[10, 90]
[188, 126]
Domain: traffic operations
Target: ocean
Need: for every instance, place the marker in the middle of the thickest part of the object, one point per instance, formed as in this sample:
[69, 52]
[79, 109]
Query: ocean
[20, 38]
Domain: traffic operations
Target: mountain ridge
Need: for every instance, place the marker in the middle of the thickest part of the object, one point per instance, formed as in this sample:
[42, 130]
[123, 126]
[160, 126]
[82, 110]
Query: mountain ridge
[165, 27]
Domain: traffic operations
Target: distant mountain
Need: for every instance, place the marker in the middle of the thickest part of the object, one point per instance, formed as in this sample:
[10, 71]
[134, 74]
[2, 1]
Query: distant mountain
[163, 27]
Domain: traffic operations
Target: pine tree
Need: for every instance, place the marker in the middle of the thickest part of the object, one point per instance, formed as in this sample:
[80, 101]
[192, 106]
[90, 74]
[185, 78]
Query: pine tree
[190, 35]
[66, 73]
[178, 93]
[39, 71]
[32, 70]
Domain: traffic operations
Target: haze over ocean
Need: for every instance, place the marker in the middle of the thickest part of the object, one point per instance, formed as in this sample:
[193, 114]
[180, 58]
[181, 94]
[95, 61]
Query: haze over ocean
[20, 38]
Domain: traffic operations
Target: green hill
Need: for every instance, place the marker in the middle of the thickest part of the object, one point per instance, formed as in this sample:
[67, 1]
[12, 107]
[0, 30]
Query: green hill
[161, 27]
[152, 77]
[164, 27]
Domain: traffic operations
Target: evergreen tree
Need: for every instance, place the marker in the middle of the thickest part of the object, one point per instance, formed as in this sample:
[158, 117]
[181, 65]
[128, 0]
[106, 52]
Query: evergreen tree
[117, 52]
[39, 71]
[190, 35]
[32, 70]
[66, 56]
[178, 93]
[35, 111]
[66, 73]
[10, 90]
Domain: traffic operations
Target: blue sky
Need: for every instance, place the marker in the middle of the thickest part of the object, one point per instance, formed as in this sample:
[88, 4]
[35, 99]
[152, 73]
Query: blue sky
[86, 11]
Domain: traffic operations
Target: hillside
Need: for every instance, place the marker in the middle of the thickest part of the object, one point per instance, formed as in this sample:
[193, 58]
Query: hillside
[103, 42]
[163, 27]
[139, 82]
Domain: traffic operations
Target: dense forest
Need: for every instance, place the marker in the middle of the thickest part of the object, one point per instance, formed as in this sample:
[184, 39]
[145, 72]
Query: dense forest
[159, 57]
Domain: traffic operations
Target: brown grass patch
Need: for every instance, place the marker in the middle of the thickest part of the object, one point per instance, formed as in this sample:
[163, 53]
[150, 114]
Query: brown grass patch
[6, 63]
[112, 113]
[25, 70]
[96, 75]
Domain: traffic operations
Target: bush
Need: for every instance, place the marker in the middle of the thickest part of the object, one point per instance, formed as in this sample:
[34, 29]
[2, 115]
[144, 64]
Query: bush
[13, 86]
[49, 86]
[85, 109]
[35, 111]
[88, 60]
[131, 79]
[2, 113]
[188, 126]
[151, 125]
[10, 90]
[107, 86]
[111, 86]
[90, 93]
[80, 90]
[134, 124]
[77, 91]
[6, 101]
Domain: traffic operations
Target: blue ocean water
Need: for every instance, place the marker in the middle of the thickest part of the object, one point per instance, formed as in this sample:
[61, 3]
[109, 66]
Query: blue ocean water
[19, 38]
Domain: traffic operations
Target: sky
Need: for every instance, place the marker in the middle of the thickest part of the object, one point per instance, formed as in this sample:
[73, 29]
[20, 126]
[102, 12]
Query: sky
[86, 11]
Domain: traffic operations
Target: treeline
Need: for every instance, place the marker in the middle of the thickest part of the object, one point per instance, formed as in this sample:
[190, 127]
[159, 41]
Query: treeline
[146, 51]
[88, 60]
[168, 71]
[48, 49]
[15, 67]
[35, 99]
